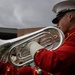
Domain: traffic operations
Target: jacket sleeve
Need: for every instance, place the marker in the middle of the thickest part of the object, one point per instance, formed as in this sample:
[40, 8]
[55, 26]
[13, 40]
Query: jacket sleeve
[58, 59]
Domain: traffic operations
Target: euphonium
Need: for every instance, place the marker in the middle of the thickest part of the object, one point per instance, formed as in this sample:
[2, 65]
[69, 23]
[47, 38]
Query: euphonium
[13, 50]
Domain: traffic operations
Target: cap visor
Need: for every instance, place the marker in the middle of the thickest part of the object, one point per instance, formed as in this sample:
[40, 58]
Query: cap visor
[55, 21]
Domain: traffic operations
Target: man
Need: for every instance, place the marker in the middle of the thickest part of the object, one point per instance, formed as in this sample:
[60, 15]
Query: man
[62, 60]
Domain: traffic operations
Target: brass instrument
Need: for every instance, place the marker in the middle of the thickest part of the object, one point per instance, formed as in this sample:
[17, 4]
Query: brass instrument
[14, 50]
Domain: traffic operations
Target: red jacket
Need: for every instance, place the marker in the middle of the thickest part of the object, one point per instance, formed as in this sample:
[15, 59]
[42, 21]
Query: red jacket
[9, 69]
[60, 61]
[26, 70]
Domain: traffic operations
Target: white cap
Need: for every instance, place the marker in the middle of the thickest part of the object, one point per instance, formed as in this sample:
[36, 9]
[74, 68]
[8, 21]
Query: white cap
[69, 4]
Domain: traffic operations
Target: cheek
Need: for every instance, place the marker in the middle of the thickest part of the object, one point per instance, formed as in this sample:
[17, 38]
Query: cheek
[63, 26]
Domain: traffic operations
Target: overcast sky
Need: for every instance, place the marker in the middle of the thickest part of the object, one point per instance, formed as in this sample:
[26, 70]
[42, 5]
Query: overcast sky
[26, 13]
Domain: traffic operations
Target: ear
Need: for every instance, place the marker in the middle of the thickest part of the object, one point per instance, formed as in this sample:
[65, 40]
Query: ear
[70, 17]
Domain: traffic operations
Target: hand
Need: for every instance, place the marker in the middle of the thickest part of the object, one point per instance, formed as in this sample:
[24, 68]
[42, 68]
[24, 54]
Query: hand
[33, 46]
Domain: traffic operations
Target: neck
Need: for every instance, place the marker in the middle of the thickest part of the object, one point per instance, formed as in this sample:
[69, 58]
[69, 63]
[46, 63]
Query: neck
[72, 27]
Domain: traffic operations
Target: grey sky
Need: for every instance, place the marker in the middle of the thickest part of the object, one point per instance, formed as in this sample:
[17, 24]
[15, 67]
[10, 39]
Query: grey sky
[26, 13]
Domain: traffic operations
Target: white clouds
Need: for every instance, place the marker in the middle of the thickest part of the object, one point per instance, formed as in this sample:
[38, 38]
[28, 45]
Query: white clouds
[25, 13]
[17, 13]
